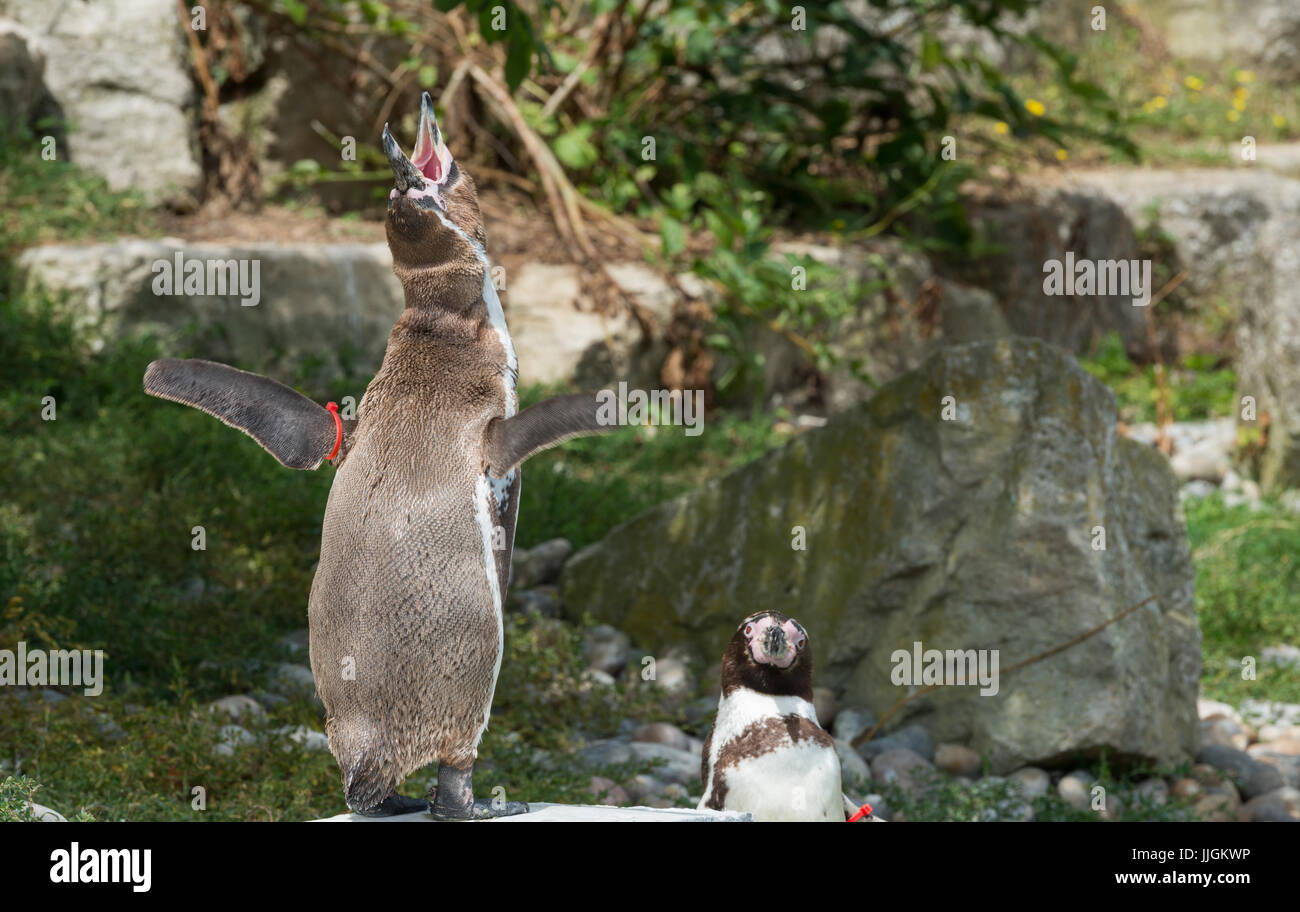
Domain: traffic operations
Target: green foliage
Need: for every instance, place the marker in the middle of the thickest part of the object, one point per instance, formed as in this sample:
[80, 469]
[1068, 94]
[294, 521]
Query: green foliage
[47, 200]
[1200, 386]
[1247, 595]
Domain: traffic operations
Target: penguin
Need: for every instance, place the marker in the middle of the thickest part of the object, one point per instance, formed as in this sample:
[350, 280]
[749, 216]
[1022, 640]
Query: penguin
[405, 612]
[766, 753]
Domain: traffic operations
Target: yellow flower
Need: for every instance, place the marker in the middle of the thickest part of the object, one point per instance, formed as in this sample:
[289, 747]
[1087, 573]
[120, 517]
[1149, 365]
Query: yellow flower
[1239, 104]
[1233, 116]
[1034, 106]
[1062, 155]
[1279, 120]
[1158, 102]
[1001, 128]
[1241, 92]
[1245, 75]
[1193, 83]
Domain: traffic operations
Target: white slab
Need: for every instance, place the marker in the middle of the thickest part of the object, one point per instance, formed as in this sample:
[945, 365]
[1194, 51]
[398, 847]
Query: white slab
[573, 813]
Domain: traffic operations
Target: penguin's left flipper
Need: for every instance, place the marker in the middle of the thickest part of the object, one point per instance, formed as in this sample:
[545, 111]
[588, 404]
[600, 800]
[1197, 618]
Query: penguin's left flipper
[509, 441]
[292, 428]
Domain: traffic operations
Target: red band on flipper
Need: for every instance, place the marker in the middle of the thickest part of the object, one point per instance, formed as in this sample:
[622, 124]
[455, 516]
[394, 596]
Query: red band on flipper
[338, 433]
[864, 811]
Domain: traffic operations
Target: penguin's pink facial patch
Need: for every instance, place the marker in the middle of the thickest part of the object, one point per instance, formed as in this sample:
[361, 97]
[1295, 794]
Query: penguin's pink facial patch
[775, 641]
[426, 174]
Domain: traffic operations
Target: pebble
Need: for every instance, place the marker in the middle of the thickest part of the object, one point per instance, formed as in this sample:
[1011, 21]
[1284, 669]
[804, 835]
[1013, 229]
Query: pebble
[1279, 804]
[903, 767]
[1223, 731]
[607, 792]
[1153, 792]
[543, 601]
[540, 564]
[912, 737]
[673, 675]
[237, 706]
[1215, 808]
[232, 736]
[295, 680]
[855, 773]
[607, 649]
[1254, 778]
[1263, 712]
[1033, 782]
[682, 767]
[663, 733]
[304, 737]
[643, 786]
[44, 814]
[851, 722]
[1187, 788]
[1210, 709]
[957, 760]
[1284, 654]
[1075, 789]
[879, 806]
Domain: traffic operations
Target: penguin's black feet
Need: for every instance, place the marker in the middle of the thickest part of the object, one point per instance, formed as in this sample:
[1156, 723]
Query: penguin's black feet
[453, 798]
[395, 804]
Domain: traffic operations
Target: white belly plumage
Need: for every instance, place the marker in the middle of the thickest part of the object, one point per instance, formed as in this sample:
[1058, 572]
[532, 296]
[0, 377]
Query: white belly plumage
[797, 782]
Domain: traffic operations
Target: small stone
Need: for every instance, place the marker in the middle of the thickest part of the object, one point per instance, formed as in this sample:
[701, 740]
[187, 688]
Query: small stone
[824, 705]
[594, 677]
[1285, 655]
[295, 680]
[879, 806]
[193, 589]
[44, 814]
[957, 760]
[1033, 782]
[644, 786]
[1153, 792]
[1075, 789]
[855, 773]
[1289, 746]
[700, 713]
[237, 707]
[903, 767]
[604, 753]
[543, 601]
[1253, 777]
[675, 791]
[1223, 731]
[682, 767]
[606, 649]
[306, 738]
[663, 733]
[1280, 804]
[607, 792]
[1215, 808]
[912, 737]
[851, 722]
[1210, 709]
[540, 564]
[232, 736]
[1187, 788]
[673, 675]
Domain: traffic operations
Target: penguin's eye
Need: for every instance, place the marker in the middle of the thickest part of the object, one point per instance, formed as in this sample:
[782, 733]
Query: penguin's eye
[749, 628]
[801, 643]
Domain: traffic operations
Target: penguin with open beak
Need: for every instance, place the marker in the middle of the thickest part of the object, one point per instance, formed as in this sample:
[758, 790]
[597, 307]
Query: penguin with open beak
[405, 612]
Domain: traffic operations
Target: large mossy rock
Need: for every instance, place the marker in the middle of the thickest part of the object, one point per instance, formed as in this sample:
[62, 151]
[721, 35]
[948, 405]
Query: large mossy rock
[971, 533]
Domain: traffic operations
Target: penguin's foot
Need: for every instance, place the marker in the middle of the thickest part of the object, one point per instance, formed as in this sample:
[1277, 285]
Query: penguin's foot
[453, 798]
[395, 804]
[481, 809]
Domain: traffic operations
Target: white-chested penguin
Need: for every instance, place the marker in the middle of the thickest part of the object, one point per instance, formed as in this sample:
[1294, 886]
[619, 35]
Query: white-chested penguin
[406, 607]
[766, 753]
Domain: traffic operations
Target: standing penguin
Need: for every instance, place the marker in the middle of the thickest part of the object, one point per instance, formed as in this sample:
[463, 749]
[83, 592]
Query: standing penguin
[405, 612]
[766, 753]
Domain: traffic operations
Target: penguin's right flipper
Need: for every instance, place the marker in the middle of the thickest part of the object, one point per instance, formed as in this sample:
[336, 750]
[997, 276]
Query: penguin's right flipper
[296, 431]
[512, 440]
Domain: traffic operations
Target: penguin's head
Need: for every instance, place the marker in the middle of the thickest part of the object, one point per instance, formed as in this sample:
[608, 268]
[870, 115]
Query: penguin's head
[433, 216]
[769, 653]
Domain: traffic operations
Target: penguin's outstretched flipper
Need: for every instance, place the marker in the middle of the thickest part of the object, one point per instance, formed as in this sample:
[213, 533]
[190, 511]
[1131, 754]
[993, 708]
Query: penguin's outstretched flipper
[296, 431]
[509, 441]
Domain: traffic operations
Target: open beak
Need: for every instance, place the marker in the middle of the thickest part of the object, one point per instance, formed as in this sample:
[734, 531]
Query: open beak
[422, 175]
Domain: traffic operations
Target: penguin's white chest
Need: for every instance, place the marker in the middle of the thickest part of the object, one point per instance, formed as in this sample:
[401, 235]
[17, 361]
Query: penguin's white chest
[799, 781]
[768, 756]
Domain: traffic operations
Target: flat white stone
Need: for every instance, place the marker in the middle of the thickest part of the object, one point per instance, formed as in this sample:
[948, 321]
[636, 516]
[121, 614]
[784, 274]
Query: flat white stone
[574, 813]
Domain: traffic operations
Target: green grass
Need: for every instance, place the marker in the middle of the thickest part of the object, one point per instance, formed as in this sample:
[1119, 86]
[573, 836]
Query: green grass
[1247, 596]
[1199, 386]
